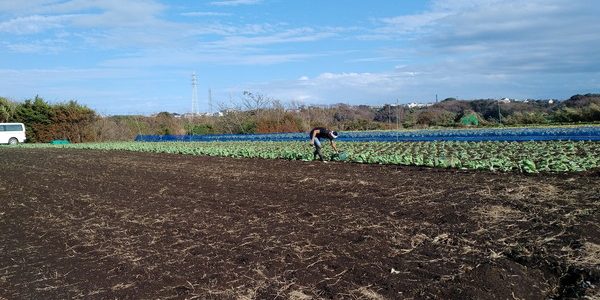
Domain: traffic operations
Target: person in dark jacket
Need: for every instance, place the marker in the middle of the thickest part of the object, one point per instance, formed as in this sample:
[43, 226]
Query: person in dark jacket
[319, 133]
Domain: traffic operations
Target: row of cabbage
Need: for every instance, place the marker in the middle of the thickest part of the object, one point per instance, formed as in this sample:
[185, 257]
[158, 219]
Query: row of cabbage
[589, 133]
[529, 157]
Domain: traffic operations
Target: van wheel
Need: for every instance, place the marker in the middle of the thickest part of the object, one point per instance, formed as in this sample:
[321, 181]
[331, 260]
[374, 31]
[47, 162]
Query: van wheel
[13, 141]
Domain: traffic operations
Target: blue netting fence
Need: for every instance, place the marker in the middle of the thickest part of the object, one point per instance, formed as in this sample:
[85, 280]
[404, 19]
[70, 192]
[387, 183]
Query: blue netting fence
[464, 135]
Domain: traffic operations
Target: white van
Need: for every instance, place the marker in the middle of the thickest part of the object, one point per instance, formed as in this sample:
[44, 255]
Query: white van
[12, 133]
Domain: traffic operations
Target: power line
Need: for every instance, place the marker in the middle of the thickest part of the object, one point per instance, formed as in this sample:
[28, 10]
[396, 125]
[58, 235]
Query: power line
[210, 101]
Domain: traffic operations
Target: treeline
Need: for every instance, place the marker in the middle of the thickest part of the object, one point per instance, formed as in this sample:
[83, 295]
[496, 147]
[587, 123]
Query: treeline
[45, 122]
[256, 113]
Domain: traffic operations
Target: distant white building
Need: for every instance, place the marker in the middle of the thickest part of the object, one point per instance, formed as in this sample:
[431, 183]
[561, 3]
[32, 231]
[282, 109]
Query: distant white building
[201, 114]
[414, 104]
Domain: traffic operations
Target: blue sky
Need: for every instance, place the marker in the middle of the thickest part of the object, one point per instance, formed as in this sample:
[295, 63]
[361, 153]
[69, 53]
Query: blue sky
[137, 56]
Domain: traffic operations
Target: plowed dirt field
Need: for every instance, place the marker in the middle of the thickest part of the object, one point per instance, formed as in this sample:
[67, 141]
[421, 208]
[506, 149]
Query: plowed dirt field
[124, 225]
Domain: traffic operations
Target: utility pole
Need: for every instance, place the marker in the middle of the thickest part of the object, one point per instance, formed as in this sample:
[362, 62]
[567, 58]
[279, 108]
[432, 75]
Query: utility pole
[194, 94]
[499, 115]
[389, 114]
[397, 114]
[397, 119]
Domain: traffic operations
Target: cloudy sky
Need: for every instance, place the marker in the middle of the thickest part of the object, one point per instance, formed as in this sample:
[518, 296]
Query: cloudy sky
[138, 56]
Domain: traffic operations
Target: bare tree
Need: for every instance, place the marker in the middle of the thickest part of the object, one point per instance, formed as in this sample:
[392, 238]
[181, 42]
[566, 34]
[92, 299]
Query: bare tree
[256, 102]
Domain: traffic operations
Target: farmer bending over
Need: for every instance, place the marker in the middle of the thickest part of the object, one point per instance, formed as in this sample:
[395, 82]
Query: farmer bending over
[319, 133]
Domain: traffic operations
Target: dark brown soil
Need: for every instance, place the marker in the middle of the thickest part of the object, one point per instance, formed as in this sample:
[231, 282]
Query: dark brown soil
[106, 225]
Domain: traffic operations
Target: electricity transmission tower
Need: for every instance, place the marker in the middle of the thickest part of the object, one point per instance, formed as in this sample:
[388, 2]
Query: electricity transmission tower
[194, 94]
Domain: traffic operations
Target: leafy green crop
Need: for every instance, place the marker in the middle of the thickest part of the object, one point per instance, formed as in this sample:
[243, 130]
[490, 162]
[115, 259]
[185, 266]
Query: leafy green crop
[527, 157]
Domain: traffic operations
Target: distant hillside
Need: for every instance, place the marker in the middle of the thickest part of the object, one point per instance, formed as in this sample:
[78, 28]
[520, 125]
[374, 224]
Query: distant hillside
[580, 101]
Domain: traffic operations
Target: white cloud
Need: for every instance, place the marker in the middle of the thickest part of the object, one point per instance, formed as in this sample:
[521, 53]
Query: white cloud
[455, 48]
[11, 6]
[43, 46]
[490, 36]
[85, 13]
[183, 57]
[205, 14]
[411, 23]
[328, 87]
[32, 24]
[235, 2]
[266, 59]
[140, 28]
[421, 83]
[293, 35]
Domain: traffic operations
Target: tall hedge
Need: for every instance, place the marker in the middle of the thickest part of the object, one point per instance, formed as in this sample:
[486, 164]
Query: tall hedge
[45, 122]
